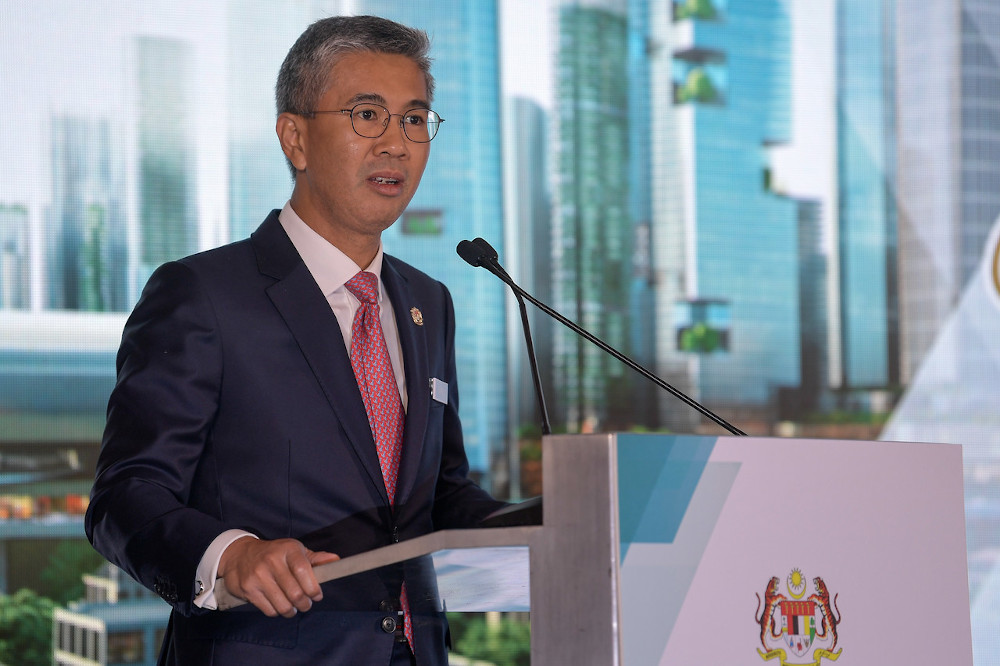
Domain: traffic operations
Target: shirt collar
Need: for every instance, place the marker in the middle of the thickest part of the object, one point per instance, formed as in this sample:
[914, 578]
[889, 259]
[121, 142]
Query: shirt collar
[329, 266]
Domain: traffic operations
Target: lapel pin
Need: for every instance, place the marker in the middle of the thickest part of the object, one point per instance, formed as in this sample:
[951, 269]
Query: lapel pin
[417, 316]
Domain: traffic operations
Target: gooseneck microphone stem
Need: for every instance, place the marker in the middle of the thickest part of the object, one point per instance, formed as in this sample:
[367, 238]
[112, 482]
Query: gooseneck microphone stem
[481, 253]
[546, 428]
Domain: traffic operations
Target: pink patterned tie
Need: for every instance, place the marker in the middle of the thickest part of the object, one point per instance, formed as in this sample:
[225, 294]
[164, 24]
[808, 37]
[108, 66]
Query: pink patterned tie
[373, 370]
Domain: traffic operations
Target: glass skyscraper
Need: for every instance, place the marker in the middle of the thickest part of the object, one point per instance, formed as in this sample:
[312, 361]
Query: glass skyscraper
[168, 215]
[15, 253]
[259, 179]
[949, 158]
[592, 234]
[461, 197]
[866, 167]
[86, 262]
[813, 307]
[529, 243]
[643, 398]
[721, 236]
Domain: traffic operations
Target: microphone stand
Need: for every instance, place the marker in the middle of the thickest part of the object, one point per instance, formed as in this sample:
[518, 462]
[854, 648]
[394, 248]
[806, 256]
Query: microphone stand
[546, 428]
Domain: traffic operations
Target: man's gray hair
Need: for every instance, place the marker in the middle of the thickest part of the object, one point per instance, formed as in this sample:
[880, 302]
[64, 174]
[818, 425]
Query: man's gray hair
[305, 74]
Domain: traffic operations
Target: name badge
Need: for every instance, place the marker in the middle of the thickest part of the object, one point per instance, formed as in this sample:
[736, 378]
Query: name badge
[439, 390]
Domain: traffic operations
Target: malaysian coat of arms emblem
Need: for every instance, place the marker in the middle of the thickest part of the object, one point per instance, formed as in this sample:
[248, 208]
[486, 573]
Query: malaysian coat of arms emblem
[796, 629]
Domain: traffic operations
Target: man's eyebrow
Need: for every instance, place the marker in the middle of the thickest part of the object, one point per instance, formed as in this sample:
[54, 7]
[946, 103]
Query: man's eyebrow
[367, 97]
[375, 98]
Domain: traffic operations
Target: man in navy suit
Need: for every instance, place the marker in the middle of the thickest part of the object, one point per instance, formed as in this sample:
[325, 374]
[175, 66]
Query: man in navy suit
[238, 445]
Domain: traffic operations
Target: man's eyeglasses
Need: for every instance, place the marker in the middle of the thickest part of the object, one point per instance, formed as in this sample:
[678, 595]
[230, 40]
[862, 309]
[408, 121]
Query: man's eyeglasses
[371, 121]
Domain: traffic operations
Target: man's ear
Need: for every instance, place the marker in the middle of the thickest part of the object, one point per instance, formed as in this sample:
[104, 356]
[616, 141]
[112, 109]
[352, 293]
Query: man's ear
[291, 130]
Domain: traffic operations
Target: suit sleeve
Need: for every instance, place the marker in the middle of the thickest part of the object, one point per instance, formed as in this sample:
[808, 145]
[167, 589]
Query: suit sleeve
[159, 424]
[458, 501]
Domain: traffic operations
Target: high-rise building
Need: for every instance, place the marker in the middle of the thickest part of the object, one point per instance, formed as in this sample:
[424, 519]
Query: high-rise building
[813, 308]
[948, 83]
[85, 265]
[15, 257]
[724, 242]
[166, 165]
[529, 244]
[866, 168]
[592, 226]
[643, 397]
[259, 179]
[667, 239]
[461, 197]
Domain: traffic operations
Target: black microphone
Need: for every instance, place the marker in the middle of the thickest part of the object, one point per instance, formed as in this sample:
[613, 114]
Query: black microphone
[471, 253]
[481, 253]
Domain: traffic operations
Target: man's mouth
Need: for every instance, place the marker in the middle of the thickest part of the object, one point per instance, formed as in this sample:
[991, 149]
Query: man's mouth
[385, 181]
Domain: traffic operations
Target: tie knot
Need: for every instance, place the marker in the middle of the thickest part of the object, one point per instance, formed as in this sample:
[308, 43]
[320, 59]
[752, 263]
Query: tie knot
[364, 286]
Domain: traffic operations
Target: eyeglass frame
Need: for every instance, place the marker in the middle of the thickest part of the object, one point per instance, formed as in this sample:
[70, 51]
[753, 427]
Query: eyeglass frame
[350, 114]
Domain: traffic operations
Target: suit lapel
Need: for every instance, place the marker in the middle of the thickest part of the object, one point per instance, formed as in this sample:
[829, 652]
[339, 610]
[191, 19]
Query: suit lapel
[308, 316]
[414, 346]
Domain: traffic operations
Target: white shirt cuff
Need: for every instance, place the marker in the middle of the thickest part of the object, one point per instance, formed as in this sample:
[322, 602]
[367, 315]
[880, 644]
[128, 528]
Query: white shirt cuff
[208, 568]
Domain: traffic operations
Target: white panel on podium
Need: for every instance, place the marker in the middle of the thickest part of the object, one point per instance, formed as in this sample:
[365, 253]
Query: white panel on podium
[780, 551]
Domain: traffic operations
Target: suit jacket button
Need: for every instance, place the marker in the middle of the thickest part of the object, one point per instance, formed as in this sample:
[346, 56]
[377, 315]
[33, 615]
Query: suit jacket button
[389, 624]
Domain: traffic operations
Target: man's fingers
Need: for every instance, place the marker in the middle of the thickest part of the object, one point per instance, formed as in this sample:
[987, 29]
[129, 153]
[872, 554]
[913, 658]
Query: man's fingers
[285, 575]
[260, 588]
[275, 576]
[305, 575]
[260, 600]
[319, 557]
[297, 581]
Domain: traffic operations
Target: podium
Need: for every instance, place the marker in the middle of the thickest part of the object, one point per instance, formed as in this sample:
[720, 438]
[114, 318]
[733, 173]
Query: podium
[663, 549]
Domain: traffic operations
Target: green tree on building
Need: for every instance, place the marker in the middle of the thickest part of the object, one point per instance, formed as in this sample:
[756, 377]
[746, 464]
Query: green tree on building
[697, 9]
[26, 629]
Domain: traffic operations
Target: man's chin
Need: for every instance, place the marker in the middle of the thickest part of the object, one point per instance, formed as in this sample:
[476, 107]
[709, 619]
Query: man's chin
[390, 214]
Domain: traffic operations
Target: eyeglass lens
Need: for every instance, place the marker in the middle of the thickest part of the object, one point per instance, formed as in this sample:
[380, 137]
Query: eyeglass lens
[371, 120]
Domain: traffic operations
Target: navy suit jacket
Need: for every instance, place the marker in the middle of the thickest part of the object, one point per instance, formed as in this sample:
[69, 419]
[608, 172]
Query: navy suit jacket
[236, 407]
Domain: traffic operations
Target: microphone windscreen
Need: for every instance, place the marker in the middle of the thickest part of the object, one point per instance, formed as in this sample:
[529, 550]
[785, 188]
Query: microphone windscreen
[485, 249]
[472, 254]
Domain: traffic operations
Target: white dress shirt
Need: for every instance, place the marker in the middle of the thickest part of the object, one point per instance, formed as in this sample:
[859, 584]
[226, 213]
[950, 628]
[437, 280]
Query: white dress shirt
[331, 269]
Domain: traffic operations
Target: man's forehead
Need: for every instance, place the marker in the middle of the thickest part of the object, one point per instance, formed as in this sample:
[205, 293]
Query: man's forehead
[367, 71]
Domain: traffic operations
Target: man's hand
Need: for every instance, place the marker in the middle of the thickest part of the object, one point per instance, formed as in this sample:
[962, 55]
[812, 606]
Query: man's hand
[275, 576]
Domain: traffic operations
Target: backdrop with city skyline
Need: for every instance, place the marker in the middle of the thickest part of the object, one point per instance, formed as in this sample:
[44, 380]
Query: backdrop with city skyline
[781, 207]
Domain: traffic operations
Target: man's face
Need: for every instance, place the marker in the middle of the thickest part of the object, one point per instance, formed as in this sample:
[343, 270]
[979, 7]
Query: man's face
[350, 188]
